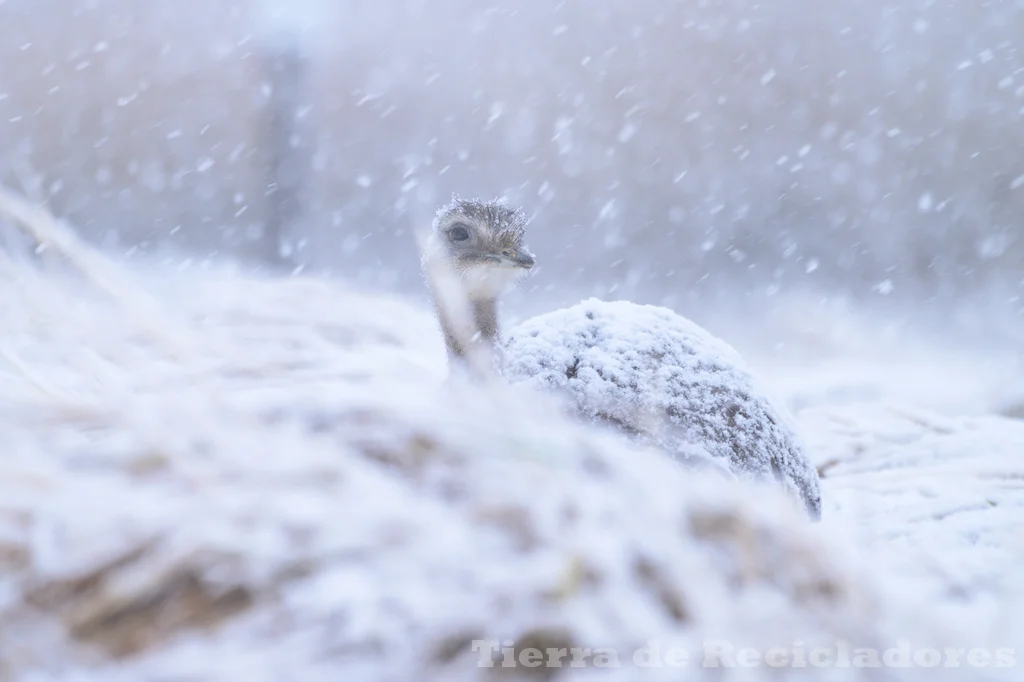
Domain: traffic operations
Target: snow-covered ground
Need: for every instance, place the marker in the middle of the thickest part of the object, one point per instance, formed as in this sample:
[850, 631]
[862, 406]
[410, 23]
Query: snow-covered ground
[212, 476]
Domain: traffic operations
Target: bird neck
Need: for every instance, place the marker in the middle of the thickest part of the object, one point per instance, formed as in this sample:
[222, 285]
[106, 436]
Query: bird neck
[485, 328]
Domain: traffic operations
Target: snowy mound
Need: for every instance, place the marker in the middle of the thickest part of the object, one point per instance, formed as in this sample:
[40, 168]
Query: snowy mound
[256, 506]
[665, 380]
[230, 478]
[276, 502]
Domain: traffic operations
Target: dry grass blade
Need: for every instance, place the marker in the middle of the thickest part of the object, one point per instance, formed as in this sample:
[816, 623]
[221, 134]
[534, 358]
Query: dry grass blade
[46, 229]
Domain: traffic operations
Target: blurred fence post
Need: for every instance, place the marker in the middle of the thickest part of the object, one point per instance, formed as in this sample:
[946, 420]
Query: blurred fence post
[286, 65]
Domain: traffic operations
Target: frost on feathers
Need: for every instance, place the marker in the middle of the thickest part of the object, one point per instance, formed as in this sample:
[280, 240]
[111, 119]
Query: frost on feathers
[664, 379]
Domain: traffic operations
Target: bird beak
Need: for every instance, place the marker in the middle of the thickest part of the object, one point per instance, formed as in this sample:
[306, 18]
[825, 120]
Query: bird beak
[518, 259]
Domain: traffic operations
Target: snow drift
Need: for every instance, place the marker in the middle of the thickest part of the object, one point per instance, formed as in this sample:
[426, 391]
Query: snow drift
[212, 476]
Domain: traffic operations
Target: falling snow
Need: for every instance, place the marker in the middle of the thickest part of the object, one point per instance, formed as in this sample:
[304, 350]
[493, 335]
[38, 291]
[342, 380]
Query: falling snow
[228, 359]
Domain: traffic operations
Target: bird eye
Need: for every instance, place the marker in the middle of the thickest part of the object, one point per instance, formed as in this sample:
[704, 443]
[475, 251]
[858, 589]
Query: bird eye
[458, 234]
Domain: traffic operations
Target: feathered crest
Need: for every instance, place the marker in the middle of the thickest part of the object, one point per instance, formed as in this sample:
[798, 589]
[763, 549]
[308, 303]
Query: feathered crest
[507, 222]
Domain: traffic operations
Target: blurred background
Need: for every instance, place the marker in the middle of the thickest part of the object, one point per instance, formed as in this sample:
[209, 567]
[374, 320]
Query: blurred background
[680, 152]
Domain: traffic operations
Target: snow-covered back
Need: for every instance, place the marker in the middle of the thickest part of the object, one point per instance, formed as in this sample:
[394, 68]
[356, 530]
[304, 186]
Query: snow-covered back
[658, 376]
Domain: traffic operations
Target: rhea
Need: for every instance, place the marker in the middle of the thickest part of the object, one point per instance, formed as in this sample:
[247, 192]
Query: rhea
[650, 373]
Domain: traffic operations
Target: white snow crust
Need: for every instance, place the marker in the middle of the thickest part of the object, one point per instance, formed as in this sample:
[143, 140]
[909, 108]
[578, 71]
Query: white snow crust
[212, 476]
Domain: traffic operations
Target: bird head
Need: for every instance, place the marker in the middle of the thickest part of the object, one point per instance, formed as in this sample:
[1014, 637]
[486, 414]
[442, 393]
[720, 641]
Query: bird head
[481, 242]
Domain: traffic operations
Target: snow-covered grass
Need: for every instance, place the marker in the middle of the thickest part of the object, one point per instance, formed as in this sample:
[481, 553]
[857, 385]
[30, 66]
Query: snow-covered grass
[214, 476]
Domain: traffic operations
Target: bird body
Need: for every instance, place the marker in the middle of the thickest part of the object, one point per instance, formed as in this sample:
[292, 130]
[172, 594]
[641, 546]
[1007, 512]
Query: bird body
[652, 374]
[664, 381]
